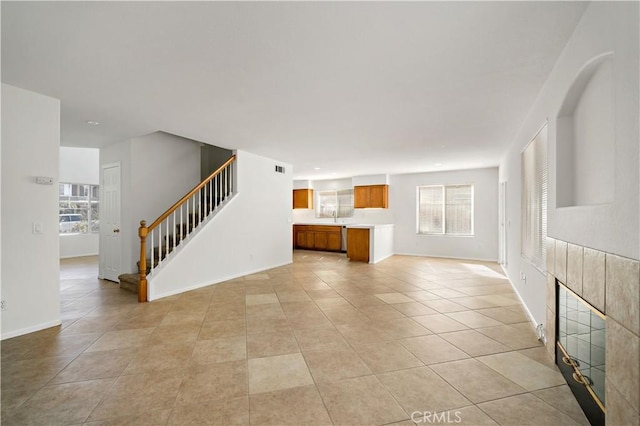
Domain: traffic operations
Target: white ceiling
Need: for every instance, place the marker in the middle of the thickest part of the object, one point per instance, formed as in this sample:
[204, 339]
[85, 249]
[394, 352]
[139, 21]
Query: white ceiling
[352, 88]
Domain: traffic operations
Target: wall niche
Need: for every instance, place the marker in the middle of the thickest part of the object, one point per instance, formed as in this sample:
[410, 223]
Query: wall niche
[585, 137]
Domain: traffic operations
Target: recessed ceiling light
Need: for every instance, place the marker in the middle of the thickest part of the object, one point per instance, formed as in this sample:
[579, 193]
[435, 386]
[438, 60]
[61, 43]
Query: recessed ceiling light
[316, 168]
[437, 164]
[93, 123]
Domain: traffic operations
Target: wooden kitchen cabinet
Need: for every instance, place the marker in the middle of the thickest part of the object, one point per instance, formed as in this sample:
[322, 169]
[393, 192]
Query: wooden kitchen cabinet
[371, 196]
[320, 240]
[303, 198]
[318, 237]
[358, 244]
[334, 241]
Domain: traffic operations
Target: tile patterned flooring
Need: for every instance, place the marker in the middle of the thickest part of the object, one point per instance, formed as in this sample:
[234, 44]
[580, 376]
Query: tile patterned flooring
[322, 341]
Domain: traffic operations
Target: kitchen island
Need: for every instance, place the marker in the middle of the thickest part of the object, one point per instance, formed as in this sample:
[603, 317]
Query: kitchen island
[369, 243]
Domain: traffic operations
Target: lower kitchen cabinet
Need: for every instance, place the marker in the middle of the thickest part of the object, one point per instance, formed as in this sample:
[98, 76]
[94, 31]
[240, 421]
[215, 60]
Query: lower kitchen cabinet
[358, 244]
[318, 237]
[334, 241]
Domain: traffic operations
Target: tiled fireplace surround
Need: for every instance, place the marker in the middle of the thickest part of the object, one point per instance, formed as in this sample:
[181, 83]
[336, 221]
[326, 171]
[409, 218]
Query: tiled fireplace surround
[611, 284]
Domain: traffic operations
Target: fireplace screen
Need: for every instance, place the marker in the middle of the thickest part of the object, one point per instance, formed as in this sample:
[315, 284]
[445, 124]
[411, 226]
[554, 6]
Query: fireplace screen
[581, 344]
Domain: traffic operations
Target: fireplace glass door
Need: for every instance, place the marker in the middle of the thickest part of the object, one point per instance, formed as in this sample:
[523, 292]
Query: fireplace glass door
[581, 344]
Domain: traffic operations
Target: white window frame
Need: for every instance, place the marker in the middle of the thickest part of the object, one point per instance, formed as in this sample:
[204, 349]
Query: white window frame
[444, 216]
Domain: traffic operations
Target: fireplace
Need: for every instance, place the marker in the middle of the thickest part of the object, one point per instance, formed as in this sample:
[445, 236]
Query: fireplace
[580, 351]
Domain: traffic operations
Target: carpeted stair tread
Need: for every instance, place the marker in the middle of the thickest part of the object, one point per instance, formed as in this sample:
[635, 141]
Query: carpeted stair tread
[129, 282]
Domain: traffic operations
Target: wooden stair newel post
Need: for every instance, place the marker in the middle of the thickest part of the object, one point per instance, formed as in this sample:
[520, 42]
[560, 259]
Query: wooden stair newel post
[142, 285]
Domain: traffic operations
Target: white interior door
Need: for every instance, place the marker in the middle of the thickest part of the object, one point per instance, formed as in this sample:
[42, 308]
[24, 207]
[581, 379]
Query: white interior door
[110, 244]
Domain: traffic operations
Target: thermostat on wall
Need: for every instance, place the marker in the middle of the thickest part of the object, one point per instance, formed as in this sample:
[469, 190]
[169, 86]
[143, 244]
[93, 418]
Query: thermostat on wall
[43, 180]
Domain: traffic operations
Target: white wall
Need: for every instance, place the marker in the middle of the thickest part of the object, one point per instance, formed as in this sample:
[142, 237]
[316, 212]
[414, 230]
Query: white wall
[164, 167]
[30, 148]
[251, 233]
[614, 227]
[370, 180]
[302, 184]
[594, 161]
[79, 165]
[156, 171]
[483, 245]
[381, 243]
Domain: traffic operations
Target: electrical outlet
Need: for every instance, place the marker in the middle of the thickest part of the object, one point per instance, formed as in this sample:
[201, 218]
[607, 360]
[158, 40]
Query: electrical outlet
[3, 305]
[36, 227]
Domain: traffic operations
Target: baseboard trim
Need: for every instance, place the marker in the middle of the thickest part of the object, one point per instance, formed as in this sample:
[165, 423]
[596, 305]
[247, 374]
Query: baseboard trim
[79, 255]
[30, 329]
[152, 296]
[446, 257]
[532, 320]
[382, 258]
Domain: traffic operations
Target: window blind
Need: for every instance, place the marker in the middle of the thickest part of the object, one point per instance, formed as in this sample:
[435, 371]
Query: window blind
[459, 210]
[445, 209]
[534, 200]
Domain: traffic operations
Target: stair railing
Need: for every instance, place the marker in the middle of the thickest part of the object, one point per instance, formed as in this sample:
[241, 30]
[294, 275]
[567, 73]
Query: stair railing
[171, 228]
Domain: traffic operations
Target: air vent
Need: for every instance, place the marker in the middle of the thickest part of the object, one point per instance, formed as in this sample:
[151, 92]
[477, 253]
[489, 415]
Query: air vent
[279, 169]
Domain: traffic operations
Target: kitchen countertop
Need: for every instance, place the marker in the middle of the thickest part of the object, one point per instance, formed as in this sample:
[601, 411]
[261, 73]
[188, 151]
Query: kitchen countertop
[370, 226]
[350, 225]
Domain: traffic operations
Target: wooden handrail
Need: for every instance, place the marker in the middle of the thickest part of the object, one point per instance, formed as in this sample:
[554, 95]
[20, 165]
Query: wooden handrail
[195, 189]
[144, 230]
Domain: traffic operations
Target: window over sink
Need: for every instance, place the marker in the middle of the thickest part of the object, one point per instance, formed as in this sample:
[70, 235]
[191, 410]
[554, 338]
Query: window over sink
[335, 203]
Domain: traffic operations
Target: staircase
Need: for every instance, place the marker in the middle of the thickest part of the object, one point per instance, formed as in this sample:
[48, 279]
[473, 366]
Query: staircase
[175, 226]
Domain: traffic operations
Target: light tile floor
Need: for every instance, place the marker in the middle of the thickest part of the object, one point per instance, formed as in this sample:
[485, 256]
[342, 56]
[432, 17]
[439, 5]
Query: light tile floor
[321, 341]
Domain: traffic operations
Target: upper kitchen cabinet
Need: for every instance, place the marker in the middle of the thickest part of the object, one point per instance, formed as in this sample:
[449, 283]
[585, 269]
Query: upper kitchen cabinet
[303, 198]
[371, 197]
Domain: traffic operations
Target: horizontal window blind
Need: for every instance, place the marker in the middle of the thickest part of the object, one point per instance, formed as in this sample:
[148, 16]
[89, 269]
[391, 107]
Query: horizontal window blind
[534, 200]
[445, 209]
[459, 210]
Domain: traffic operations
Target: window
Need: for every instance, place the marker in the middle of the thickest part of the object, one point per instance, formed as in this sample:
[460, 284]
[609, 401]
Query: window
[79, 208]
[335, 203]
[534, 200]
[445, 209]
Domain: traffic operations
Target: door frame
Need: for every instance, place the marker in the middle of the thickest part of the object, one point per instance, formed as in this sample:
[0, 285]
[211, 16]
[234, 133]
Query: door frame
[502, 225]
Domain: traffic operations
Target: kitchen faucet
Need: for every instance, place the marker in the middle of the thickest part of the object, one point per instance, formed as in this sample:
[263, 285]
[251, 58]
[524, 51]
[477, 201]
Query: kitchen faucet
[335, 216]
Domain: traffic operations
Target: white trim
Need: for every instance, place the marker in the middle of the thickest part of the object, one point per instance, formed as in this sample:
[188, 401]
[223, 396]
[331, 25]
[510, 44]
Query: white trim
[31, 329]
[535, 135]
[532, 320]
[152, 296]
[475, 259]
[380, 260]
[79, 255]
